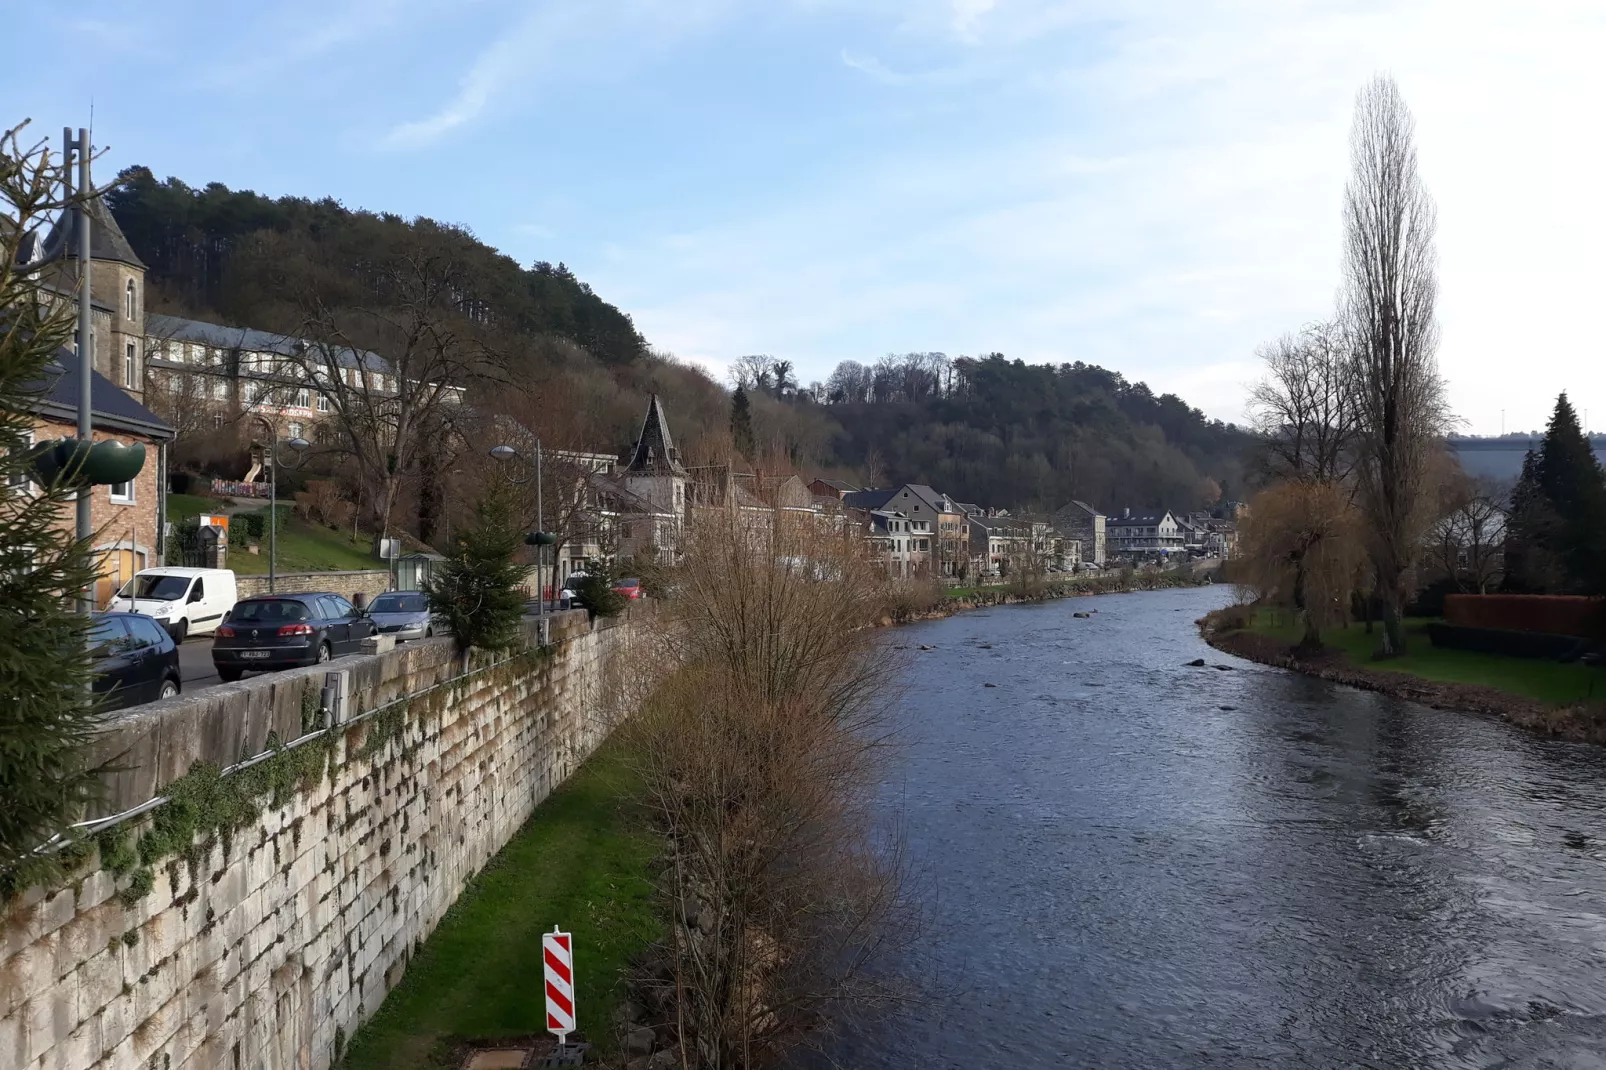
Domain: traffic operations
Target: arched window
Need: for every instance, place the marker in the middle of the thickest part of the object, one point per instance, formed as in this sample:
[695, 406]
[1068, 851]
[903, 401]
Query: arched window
[129, 301]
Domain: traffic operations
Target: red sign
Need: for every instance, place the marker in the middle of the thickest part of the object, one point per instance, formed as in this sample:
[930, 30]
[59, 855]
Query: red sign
[557, 963]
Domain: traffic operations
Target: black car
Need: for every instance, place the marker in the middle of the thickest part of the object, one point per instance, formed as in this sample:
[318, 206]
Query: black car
[283, 631]
[135, 660]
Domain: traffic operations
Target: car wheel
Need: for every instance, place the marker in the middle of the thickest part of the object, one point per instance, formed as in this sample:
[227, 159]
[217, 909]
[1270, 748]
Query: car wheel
[180, 630]
[323, 653]
[229, 673]
[169, 688]
[429, 633]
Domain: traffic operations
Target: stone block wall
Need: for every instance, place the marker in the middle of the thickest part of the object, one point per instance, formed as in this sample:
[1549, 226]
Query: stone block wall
[350, 584]
[270, 947]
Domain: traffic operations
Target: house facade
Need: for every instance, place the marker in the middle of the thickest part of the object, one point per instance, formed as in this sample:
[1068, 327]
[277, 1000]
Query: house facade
[1131, 535]
[1089, 527]
[998, 544]
[129, 519]
[945, 519]
[900, 542]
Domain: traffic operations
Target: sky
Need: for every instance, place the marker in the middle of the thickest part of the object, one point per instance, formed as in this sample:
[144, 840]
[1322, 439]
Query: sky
[1154, 186]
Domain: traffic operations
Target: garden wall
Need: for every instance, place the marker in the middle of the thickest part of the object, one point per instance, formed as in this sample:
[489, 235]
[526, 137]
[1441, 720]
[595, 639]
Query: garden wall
[202, 937]
[349, 584]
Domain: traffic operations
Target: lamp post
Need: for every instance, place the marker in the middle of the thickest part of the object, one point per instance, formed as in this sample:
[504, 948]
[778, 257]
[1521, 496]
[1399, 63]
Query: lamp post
[299, 445]
[540, 538]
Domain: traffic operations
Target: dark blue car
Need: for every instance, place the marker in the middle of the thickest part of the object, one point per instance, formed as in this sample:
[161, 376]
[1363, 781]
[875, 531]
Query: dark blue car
[284, 631]
[135, 660]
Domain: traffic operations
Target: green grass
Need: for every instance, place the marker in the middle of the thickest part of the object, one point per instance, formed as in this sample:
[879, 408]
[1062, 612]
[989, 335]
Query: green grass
[1535, 678]
[970, 592]
[184, 506]
[580, 863]
[303, 547]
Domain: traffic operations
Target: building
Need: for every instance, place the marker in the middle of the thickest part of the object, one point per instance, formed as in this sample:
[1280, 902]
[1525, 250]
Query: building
[902, 543]
[1130, 535]
[205, 375]
[831, 488]
[999, 545]
[129, 519]
[917, 501]
[116, 288]
[1082, 522]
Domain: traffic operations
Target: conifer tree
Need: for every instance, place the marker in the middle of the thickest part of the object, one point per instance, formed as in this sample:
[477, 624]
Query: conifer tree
[476, 589]
[1572, 481]
[1531, 565]
[46, 710]
[742, 422]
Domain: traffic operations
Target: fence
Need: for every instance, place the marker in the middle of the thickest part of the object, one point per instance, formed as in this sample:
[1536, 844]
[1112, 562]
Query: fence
[1543, 613]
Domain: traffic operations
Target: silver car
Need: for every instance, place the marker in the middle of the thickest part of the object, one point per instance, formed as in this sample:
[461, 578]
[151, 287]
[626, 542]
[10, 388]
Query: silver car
[404, 615]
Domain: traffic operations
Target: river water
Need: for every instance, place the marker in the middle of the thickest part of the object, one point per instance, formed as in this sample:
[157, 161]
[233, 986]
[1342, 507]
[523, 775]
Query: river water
[1127, 862]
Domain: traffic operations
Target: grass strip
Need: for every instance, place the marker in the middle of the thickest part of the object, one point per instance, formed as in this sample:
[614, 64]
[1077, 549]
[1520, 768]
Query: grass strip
[580, 862]
[1535, 678]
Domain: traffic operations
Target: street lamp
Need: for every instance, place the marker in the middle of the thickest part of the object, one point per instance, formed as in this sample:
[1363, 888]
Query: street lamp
[299, 445]
[540, 538]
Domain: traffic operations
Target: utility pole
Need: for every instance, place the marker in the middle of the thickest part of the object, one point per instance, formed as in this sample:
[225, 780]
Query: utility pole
[86, 345]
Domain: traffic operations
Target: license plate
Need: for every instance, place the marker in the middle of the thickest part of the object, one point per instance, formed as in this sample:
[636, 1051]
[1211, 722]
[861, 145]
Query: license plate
[256, 653]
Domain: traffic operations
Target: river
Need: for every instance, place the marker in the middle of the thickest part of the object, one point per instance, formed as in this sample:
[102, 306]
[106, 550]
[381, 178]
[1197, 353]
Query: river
[1127, 862]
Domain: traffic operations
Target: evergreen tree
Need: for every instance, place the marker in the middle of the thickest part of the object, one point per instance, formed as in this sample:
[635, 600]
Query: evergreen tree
[1571, 480]
[1532, 527]
[46, 710]
[476, 589]
[742, 422]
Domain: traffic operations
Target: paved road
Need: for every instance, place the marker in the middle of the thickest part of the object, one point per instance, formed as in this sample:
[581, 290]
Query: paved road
[195, 659]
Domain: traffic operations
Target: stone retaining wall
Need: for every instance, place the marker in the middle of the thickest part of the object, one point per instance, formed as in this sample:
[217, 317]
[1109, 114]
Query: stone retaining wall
[269, 947]
[368, 581]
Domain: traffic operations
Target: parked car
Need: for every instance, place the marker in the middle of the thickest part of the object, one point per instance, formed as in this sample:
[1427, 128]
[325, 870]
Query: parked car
[568, 598]
[135, 660]
[403, 614]
[287, 630]
[185, 601]
[630, 588]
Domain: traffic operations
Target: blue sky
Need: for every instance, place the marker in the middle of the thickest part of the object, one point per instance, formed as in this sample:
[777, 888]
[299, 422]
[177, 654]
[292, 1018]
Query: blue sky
[1151, 185]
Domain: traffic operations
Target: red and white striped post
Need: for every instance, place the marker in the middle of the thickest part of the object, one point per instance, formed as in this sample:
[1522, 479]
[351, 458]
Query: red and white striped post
[557, 957]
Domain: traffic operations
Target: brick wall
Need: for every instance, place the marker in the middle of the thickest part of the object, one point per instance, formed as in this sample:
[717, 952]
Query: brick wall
[127, 530]
[265, 953]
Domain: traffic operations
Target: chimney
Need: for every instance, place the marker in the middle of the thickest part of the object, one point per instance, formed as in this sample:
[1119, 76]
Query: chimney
[1126, 511]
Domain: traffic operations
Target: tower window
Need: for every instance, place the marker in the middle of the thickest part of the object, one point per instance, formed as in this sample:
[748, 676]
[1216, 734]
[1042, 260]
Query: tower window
[129, 300]
[129, 360]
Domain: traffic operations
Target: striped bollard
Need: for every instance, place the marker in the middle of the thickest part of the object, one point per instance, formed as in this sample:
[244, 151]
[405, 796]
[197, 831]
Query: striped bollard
[558, 965]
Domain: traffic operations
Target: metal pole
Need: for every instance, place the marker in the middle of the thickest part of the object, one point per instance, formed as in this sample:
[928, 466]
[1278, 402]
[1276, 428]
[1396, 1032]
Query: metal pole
[86, 349]
[273, 516]
[540, 551]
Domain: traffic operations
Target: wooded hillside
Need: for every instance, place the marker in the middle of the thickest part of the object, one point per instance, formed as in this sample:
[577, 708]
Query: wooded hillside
[988, 430]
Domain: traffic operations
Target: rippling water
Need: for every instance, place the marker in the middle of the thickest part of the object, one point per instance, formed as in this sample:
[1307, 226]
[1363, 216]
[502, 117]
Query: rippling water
[1126, 862]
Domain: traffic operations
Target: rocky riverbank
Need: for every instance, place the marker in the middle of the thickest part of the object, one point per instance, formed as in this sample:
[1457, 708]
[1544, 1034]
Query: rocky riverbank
[1227, 631]
[939, 604]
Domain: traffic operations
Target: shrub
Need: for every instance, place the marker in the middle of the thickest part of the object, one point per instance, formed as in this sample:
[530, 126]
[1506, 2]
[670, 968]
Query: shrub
[597, 592]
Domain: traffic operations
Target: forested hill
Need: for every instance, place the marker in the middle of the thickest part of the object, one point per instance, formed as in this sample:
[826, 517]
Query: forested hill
[988, 430]
[1002, 432]
[189, 236]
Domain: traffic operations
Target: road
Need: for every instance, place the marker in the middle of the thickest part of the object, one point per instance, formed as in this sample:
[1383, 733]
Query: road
[195, 660]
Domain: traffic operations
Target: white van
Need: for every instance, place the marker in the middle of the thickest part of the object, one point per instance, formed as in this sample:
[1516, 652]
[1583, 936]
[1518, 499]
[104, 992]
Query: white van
[185, 601]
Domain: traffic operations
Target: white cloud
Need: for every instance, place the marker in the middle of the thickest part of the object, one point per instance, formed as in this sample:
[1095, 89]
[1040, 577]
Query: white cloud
[1178, 203]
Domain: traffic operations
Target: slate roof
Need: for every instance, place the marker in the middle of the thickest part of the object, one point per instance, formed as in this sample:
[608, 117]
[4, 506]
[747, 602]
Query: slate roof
[838, 484]
[1148, 520]
[106, 240]
[250, 340]
[111, 408]
[654, 452]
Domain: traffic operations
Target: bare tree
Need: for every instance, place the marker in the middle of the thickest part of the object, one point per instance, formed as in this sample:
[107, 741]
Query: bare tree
[755, 371]
[1390, 288]
[1304, 406]
[1467, 543]
[388, 345]
[1299, 550]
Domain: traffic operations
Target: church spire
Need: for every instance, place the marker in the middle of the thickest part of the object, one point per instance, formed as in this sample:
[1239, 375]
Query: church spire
[655, 452]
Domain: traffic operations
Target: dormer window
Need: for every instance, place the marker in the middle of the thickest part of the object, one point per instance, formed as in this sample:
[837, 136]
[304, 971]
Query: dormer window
[130, 301]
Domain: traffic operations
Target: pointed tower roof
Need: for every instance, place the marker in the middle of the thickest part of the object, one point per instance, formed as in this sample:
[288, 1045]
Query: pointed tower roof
[654, 453]
[106, 239]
